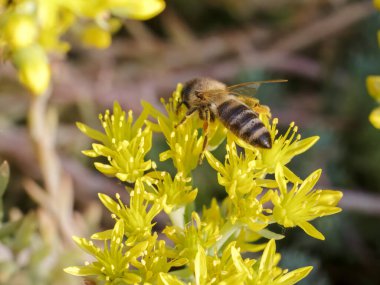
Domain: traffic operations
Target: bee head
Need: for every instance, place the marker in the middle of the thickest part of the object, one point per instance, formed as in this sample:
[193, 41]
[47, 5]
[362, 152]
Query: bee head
[188, 90]
[198, 85]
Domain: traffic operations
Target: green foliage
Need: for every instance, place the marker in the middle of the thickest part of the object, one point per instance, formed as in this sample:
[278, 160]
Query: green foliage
[29, 254]
[4, 178]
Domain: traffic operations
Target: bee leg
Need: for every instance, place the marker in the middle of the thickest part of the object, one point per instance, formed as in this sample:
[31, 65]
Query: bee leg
[206, 122]
[178, 107]
[262, 109]
[188, 114]
[255, 105]
[251, 102]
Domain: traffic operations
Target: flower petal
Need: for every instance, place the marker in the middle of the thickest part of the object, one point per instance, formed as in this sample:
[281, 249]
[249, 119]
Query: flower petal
[311, 230]
[294, 276]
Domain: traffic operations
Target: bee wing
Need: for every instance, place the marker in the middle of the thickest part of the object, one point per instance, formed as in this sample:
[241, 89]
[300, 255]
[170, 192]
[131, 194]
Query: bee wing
[250, 88]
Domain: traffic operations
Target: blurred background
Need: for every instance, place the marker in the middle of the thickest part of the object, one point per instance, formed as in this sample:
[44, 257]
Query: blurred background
[325, 48]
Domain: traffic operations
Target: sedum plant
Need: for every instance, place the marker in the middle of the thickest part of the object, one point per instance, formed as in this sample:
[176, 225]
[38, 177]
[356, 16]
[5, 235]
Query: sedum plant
[32, 29]
[231, 241]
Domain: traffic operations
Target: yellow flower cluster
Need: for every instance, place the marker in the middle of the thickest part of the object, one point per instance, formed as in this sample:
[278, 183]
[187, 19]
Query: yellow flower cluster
[30, 29]
[373, 85]
[204, 248]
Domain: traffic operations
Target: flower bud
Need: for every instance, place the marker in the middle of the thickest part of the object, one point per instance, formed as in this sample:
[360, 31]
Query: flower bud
[33, 68]
[374, 118]
[137, 9]
[373, 86]
[20, 31]
[94, 36]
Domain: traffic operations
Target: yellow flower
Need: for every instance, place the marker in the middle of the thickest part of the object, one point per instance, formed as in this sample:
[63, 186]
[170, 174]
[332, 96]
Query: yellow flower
[42, 23]
[138, 217]
[229, 268]
[184, 141]
[284, 149]
[137, 9]
[156, 259]
[124, 144]
[208, 250]
[238, 173]
[95, 36]
[196, 233]
[267, 273]
[373, 86]
[173, 193]
[33, 68]
[374, 118]
[376, 3]
[113, 262]
[19, 30]
[169, 279]
[302, 204]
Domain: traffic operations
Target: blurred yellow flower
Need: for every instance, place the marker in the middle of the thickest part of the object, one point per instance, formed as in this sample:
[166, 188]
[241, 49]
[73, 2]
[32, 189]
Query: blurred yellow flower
[374, 118]
[27, 23]
[373, 86]
[94, 36]
[19, 30]
[137, 9]
[34, 69]
[376, 3]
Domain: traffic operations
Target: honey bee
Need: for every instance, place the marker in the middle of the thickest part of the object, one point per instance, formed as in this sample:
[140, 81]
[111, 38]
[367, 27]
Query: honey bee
[232, 105]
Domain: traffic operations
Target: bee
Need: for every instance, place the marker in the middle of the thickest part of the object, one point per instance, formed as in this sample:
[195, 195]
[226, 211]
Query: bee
[232, 105]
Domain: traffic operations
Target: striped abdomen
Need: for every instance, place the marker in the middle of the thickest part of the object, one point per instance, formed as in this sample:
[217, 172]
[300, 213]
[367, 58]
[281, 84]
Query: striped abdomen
[244, 123]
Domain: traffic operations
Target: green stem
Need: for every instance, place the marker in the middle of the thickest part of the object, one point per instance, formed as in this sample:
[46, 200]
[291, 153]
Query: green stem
[177, 217]
[227, 231]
